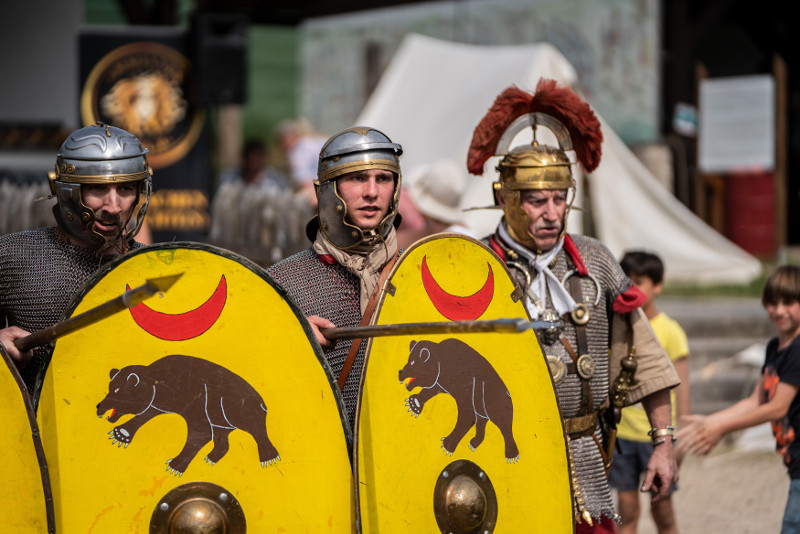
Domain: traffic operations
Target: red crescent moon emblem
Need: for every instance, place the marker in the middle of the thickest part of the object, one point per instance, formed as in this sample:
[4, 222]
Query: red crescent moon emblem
[182, 326]
[454, 307]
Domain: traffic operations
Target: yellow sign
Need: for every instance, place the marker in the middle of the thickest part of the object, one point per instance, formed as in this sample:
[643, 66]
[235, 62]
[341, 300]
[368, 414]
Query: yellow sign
[27, 509]
[445, 417]
[178, 209]
[212, 390]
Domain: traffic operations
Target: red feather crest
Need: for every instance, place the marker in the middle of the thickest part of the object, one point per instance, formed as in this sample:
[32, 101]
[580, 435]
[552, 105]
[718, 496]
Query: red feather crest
[551, 99]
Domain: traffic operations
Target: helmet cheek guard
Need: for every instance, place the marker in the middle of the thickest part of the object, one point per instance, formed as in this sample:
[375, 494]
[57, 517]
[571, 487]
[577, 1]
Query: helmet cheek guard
[98, 154]
[353, 150]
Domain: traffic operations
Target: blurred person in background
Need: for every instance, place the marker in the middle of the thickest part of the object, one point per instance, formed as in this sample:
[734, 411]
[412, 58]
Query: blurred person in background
[302, 145]
[435, 191]
[254, 169]
[646, 270]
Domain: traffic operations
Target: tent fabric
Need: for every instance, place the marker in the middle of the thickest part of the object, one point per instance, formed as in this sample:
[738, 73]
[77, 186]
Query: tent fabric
[434, 93]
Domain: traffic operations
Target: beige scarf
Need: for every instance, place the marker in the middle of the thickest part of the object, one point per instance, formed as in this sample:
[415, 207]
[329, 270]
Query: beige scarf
[364, 261]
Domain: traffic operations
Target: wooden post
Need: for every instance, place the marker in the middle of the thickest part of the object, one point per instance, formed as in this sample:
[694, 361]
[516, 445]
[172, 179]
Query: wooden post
[781, 150]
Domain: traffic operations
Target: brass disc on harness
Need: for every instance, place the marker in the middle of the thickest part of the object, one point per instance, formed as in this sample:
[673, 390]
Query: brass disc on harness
[580, 315]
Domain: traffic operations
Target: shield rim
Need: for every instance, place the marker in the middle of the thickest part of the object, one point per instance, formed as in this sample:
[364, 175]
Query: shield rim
[36, 437]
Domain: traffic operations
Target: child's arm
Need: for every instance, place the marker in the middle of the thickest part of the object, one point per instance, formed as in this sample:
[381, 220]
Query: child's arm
[702, 433]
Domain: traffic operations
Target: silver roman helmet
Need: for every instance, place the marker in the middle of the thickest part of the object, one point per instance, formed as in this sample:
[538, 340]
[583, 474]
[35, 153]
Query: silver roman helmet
[351, 150]
[98, 154]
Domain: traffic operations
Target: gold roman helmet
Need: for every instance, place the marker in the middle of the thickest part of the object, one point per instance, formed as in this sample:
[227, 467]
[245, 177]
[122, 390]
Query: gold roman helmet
[98, 154]
[535, 166]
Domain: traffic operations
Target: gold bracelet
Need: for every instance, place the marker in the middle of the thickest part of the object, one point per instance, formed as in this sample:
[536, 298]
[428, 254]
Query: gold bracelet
[656, 433]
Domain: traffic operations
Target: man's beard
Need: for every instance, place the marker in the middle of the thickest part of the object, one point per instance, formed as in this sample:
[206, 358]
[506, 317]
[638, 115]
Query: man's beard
[117, 243]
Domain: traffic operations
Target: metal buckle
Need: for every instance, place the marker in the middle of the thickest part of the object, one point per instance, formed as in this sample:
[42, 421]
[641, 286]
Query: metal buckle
[550, 334]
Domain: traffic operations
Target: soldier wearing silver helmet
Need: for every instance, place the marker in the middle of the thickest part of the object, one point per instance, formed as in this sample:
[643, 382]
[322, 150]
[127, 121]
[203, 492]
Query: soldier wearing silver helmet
[336, 281]
[102, 184]
[575, 278]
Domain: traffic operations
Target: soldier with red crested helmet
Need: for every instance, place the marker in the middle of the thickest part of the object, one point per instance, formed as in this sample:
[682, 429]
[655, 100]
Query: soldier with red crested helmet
[575, 278]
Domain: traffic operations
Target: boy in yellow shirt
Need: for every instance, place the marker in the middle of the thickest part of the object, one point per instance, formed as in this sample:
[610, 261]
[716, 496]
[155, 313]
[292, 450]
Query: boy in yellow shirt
[646, 270]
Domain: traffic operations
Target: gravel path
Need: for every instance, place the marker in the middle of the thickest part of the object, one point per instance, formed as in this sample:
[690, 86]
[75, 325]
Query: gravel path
[740, 488]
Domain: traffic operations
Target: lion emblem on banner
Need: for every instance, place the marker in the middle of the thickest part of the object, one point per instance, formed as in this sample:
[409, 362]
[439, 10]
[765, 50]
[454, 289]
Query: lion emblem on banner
[148, 105]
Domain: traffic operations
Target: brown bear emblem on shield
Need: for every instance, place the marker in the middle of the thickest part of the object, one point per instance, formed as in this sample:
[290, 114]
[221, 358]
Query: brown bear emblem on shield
[211, 399]
[455, 368]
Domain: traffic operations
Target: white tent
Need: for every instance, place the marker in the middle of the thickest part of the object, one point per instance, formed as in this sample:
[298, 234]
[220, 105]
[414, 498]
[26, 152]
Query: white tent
[434, 93]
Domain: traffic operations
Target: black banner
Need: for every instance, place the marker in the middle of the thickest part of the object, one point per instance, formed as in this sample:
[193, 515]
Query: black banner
[140, 80]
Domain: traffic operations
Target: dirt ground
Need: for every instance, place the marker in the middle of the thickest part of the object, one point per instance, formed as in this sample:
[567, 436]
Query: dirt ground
[740, 488]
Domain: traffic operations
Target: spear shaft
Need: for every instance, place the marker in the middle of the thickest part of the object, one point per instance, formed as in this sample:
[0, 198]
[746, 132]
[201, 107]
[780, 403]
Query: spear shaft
[129, 299]
[446, 327]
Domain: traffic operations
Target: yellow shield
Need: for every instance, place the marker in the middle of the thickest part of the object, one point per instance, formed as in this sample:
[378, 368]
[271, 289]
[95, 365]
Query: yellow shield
[29, 505]
[458, 433]
[206, 407]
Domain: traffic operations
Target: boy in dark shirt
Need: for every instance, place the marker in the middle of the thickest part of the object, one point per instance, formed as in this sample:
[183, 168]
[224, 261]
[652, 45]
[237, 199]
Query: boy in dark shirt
[775, 396]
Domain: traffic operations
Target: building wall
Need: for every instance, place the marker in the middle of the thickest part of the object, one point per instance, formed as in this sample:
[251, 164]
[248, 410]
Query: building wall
[40, 33]
[613, 44]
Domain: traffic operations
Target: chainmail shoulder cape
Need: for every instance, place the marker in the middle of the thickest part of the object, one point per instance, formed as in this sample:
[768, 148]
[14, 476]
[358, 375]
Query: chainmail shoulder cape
[601, 265]
[332, 292]
[39, 276]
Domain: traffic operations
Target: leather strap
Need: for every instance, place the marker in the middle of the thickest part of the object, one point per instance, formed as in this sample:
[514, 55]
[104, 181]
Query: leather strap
[365, 319]
[583, 348]
[581, 425]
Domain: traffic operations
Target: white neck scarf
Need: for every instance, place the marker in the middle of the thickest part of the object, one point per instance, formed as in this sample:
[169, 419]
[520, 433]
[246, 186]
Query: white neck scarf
[536, 297]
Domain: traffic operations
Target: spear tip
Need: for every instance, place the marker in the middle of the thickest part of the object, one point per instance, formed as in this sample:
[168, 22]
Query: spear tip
[163, 283]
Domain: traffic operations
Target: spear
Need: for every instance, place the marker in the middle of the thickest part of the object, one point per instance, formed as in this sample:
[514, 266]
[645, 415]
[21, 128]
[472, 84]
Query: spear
[129, 299]
[446, 327]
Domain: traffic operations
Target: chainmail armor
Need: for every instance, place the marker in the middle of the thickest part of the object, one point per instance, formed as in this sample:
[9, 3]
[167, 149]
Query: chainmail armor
[332, 292]
[601, 264]
[39, 276]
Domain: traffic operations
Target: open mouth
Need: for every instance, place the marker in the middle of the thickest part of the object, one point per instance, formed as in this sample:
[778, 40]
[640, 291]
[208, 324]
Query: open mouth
[106, 227]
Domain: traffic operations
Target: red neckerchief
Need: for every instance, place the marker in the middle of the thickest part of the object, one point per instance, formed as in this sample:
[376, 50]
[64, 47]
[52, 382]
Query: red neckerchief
[327, 259]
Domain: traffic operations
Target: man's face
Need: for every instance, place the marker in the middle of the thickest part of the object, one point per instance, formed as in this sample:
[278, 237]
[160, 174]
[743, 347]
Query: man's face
[368, 195]
[546, 212]
[112, 205]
